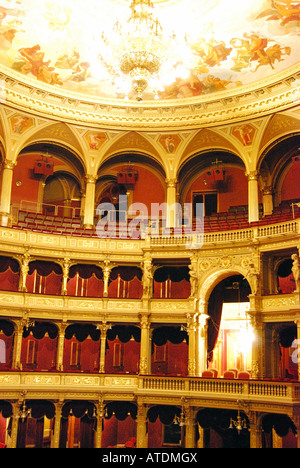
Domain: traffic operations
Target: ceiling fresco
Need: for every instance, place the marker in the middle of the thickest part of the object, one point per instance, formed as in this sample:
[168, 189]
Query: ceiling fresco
[233, 43]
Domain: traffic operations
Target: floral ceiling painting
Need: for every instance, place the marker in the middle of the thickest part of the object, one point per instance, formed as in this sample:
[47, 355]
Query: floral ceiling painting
[232, 43]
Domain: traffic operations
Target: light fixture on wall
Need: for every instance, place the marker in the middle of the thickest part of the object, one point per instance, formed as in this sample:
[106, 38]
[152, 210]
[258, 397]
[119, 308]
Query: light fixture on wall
[138, 51]
[239, 424]
[182, 420]
[24, 412]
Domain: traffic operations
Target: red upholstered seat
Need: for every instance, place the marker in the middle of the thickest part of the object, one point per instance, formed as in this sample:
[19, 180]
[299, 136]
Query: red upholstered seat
[229, 375]
[243, 375]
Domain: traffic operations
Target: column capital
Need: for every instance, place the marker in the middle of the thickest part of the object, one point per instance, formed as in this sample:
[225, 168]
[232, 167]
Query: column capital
[8, 164]
[90, 179]
[252, 175]
[171, 182]
[145, 322]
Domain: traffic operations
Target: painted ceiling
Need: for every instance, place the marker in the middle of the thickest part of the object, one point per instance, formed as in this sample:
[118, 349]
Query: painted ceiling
[233, 42]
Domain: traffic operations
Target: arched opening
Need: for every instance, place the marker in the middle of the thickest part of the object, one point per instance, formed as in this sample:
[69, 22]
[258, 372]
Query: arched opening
[47, 186]
[78, 425]
[278, 431]
[62, 196]
[219, 430]
[280, 171]
[119, 429]
[7, 330]
[288, 351]
[82, 348]
[85, 281]
[125, 282]
[44, 278]
[172, 282]
[9, 274]
[169, 351]
[39, 347]
[123, 350]
[36, 424]
[285, 279]
[6, 412]
[163, 429]
[229, 335]
[215, 180]
[130, 184]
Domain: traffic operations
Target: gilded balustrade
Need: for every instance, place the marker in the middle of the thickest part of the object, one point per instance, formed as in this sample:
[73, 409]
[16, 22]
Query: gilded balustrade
[54, 385]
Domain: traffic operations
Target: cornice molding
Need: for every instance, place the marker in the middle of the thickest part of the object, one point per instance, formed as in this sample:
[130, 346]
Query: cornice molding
[262, 98]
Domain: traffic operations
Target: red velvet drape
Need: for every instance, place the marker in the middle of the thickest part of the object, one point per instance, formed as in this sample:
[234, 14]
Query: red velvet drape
[44, 278]
[9, 274]
[126, 283]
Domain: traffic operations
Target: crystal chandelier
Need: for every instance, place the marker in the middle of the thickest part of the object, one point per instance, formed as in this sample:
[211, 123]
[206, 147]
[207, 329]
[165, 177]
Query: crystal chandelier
[137, 50]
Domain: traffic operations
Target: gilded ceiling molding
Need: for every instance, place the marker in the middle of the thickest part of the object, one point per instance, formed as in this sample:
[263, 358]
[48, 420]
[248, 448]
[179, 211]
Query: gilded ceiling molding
[279, 125]
[252, 101]
[208, 139]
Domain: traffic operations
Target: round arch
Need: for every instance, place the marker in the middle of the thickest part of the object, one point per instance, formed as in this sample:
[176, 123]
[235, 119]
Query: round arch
[213, 278]
[213, 170]
[275, 162]
[149, 173]
[135, 143]
[60, 151]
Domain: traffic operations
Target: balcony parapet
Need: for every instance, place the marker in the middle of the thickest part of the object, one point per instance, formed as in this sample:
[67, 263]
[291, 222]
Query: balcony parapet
[200, 391]
[94, 246]
[87, 308]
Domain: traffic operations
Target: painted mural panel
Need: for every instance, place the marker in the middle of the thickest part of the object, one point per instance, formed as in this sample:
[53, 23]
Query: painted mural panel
[232, 43]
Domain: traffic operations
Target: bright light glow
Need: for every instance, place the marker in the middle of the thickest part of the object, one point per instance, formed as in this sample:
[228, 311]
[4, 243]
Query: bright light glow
[237, 332]
[138, 51]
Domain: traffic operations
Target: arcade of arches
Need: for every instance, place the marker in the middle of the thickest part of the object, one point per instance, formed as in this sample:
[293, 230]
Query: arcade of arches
[123, 326]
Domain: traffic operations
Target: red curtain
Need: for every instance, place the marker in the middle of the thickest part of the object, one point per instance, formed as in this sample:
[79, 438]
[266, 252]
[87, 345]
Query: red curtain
[44, 278]
[172, 283]
[126, 283]
[9, 274]
[85, 281]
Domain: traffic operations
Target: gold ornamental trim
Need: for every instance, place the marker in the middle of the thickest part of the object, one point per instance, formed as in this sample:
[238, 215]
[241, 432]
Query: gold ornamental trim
[261, 98]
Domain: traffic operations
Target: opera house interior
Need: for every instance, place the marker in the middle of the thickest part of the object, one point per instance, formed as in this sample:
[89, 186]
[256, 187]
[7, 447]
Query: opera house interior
[149, 224]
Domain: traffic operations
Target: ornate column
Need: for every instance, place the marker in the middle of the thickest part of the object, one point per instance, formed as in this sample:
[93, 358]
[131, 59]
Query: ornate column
[65, 269]
[257, 366]
[201, 340]
[296, 270]
[57, 424]
[16, 362]
[100, 416]
[141, 426]
[60, 346]
[106, 269]
[24, 271]
[89, 206]
[5, 200]
[255, 430]
[296, 421]
[190, 426]
[191, 330]
[171, 201]
[253, 205]
[15, 424]
[145, 362]
[268, 200]
[147, 276]
[104, 327]
[194, 277]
